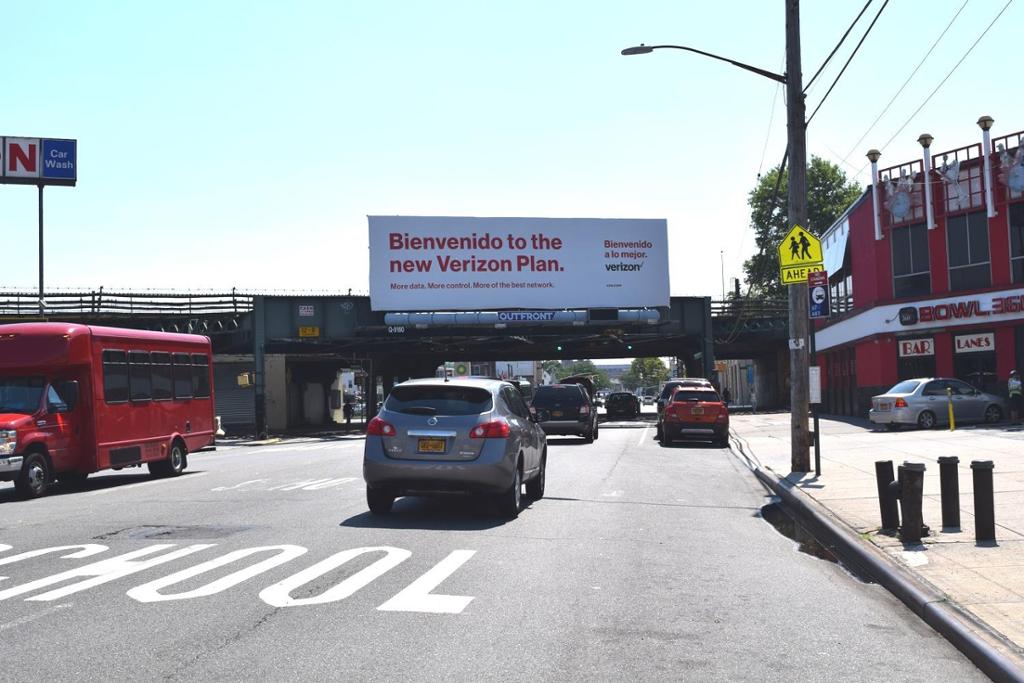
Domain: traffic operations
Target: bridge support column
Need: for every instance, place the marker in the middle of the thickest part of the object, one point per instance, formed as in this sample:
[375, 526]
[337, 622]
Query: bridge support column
[708, 342]
[258, 343]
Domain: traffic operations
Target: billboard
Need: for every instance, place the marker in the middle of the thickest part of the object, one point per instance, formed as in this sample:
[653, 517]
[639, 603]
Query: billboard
[38, 161]
[437, 263]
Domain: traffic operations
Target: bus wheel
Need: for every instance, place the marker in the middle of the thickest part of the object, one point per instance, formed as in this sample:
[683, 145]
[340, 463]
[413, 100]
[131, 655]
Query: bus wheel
[35, 476]
[173, 465]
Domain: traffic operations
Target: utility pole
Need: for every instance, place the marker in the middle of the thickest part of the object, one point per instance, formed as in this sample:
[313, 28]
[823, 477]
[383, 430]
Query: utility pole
[799, 322]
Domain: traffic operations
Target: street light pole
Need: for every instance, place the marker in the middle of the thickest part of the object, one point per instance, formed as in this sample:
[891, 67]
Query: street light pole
[799, 320]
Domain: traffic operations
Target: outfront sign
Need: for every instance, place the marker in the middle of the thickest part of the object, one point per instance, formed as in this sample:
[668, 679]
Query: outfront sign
[799, 254]
[38, 161]
[436, 263]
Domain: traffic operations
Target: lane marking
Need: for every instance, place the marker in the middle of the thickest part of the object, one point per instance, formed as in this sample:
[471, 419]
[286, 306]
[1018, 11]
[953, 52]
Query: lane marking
[613, 494]
[122, 487]
[32, 617]
[237, 486]
[643, 435]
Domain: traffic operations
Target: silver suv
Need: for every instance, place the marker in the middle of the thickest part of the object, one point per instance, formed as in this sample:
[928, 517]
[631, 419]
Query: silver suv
[460, 436]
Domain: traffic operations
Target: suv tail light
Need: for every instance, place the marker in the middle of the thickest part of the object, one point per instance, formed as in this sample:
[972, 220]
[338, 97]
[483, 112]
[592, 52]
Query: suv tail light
[900, 403]
[495, 429]
[378, 427]
[584, 409]
[670, 413]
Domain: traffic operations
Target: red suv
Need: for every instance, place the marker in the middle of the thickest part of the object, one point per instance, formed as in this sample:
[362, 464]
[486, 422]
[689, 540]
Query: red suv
[695, 413]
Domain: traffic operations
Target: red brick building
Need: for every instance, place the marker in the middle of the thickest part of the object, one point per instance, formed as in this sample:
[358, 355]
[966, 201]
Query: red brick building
[926, 270]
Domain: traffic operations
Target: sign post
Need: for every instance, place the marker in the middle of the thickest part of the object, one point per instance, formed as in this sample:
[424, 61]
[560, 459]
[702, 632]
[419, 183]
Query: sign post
[39, 162]
[799, 254]
[817, 308]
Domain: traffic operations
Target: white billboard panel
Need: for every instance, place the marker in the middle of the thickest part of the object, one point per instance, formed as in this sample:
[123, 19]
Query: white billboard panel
[436, 263]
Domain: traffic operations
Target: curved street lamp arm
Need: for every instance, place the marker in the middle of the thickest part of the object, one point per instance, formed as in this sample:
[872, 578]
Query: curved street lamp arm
[644, 49]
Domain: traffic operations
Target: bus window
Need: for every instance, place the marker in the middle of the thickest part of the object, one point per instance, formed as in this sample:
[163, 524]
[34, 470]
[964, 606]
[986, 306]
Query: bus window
[115, 376]
[139, 383]
[200, 375]
[162, 382]
[182, 370]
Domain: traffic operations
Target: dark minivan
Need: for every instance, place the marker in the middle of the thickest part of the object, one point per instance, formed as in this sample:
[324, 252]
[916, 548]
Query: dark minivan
[565, 409]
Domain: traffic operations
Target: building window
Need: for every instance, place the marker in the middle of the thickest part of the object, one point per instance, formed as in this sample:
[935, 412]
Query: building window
[842, 293]
[967, 237]
[911, 276]
[1017, 241]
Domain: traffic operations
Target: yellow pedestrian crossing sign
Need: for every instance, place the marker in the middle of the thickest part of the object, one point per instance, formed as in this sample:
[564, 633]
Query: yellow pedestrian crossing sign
[799, 254]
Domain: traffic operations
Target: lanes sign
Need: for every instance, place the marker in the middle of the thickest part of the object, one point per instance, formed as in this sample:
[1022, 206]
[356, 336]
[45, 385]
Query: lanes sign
[799, 254]
[818, 299]
[38, 161]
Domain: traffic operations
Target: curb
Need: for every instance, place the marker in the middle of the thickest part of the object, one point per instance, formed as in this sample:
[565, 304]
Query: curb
[264, 442]
[932, 607]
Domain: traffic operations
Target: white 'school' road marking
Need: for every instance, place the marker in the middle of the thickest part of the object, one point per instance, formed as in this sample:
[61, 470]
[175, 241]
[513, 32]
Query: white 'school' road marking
[416, 597]
[237, 486]
[643, 436]
[121, 487]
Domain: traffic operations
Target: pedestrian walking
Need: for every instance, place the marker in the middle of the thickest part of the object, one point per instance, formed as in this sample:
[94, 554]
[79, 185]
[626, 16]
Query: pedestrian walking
[346, 410]
[726, 396]
[1013, 387]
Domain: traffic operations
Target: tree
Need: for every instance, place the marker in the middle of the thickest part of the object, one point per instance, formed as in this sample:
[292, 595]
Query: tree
[645, 372]
[579, 367]
[829, 194]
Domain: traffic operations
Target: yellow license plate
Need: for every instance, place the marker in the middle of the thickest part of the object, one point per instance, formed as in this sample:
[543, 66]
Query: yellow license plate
[697, 410]
[431, 445]
[556, 413]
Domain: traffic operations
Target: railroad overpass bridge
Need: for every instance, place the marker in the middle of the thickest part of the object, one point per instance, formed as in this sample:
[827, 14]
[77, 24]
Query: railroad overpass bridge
[295, 344]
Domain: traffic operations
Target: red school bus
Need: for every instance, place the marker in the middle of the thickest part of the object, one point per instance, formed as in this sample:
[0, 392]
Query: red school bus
[77, 399]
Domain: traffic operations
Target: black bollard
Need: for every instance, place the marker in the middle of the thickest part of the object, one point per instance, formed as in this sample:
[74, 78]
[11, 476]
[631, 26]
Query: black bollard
[887, 500]
[949, 484]
[984, 504]
[911, 495]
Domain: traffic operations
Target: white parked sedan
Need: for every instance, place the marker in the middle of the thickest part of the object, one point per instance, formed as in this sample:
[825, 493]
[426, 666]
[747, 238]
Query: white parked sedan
[925, 402]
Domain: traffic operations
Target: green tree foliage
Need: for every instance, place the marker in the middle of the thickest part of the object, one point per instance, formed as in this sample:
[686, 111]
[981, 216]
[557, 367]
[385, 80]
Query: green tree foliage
[645, 372]
[579, 367]
[829, 194]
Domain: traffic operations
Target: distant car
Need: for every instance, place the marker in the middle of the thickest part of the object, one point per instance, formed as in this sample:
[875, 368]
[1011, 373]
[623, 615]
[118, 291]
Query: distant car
[622, 404]
[565, 409]
[460, 436]
[695, 413]
[670, 386]
[648, 400]
[924, 402]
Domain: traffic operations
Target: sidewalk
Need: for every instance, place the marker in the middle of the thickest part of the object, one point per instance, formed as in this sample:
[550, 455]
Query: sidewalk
[986, 580]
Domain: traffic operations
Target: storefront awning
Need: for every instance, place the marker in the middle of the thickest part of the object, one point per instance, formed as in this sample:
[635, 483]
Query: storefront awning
[834, 247]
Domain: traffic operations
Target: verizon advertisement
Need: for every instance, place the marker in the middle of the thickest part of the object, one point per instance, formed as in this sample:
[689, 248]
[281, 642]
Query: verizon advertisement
[435, 263]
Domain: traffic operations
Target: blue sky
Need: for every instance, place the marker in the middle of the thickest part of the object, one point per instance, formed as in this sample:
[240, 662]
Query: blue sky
[243, 144]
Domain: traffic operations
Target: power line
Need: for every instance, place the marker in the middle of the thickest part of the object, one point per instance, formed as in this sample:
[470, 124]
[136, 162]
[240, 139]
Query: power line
[951, 71]
[852, 55]
[771, 119]
[836, 48]
[905, 83]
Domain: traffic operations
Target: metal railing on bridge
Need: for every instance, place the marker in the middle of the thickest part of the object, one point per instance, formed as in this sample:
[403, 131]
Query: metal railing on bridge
[750, 308]
[101, 303]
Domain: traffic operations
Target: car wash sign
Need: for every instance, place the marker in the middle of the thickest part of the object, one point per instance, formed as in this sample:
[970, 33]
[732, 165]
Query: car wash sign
[38, 161]
[435, 263]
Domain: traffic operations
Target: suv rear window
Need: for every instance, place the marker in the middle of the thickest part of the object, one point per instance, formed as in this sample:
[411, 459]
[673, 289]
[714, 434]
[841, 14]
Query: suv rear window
[550, 395]
[696, 395]
[439, 400]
